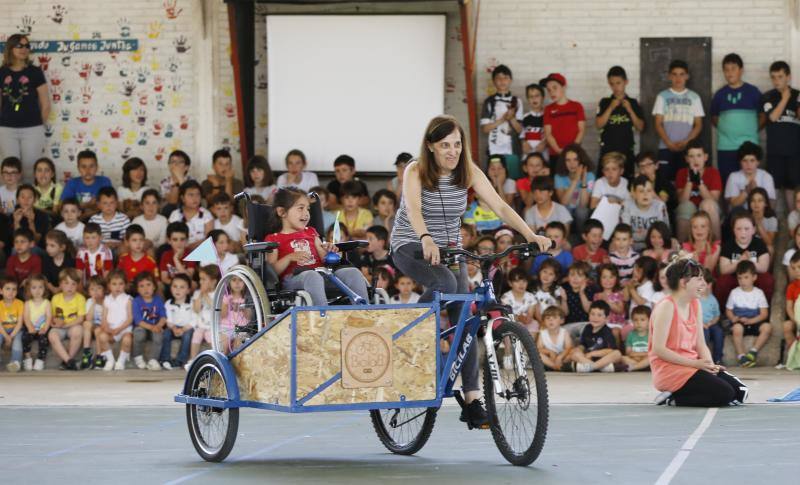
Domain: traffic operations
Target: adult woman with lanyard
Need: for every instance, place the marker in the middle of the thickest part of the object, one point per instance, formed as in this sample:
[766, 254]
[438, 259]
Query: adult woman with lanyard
[24, 105]
[682, 367]
[434, 199]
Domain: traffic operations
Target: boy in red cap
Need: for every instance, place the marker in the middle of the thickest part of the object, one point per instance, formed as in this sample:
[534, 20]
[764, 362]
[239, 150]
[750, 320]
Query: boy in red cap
[564, 119]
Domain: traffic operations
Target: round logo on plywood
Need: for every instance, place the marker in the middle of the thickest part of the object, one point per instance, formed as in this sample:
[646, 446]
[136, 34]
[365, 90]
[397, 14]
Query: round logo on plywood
[366, 358]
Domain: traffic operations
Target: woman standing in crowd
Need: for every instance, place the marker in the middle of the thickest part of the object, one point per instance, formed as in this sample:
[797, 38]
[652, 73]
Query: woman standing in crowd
[24, 104]
[683, 369]
[434, 198]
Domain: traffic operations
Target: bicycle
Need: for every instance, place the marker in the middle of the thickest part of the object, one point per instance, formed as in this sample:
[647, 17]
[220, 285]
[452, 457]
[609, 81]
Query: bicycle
[296, 363]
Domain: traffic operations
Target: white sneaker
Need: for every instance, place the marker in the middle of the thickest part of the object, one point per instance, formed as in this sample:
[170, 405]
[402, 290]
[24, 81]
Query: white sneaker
[166, 365]
[153, 364]
[119, 365]
[13, 366]
[662, 398]
[109, 364]
[780, 366]
[38, 365]
[139, 361]
[188, 365]
[583, 367]
[608, 368]
[27, 364]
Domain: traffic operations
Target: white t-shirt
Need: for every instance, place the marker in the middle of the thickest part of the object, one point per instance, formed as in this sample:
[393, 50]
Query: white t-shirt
[154, 230]
[657, 297]
[517, 306]
[793, 221]
[74, 234]
[124, 193]
[549, 344]
[307, 181]
[619, 193]
[412, 298]
[202, 320]
[97, 318]
[116, 309]
[8, 199]
[197, 224]
[753, 299]
[737, 183]
[787, 256]
[646, 291]
[546, 299]
[510, 186]
[263, 192]
[557, 213]
[234, 228]
[228, 261]
[179, 314]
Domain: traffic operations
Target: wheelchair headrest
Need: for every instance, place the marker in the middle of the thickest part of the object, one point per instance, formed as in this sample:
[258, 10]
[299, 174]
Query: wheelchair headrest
[317, 221]
[258, 218]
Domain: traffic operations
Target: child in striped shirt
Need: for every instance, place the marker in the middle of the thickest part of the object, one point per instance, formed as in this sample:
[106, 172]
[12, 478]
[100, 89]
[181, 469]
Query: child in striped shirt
[112, 222]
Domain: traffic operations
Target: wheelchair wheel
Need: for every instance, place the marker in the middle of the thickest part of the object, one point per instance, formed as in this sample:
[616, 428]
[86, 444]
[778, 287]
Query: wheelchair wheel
[240, 309]
[403, 431]
[518, 418]
[213, 430]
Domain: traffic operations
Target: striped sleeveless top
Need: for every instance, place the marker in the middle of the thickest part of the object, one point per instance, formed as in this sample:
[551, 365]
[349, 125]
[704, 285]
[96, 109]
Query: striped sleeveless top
[441, 210]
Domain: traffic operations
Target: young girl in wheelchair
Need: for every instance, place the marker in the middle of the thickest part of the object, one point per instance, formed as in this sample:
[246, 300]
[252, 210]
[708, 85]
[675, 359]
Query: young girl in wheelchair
[301, 250]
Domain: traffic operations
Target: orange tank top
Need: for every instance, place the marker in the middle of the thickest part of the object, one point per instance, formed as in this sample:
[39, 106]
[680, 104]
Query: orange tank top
[682, 339]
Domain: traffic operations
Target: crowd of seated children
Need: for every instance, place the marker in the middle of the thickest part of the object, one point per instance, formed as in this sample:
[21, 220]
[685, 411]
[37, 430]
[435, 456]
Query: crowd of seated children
[65, 240]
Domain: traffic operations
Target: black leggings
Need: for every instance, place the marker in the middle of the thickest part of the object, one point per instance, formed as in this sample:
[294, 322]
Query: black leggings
[440, 278]
[704, 389]
[28, 339]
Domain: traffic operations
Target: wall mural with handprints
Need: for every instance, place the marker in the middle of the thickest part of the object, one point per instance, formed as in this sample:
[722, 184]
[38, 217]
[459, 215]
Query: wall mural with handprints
[120, 78]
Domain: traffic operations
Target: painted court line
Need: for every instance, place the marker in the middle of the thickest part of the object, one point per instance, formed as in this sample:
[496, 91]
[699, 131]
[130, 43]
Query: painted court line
[677, 462]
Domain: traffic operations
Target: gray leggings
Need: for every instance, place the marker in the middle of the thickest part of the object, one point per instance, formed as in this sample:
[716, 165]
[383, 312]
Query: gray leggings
[440, 278]
[27, 144]
[314, 283]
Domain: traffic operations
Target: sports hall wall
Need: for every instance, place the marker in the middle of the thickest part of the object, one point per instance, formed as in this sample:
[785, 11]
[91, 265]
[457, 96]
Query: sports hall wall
[582, 39]
[174, 92]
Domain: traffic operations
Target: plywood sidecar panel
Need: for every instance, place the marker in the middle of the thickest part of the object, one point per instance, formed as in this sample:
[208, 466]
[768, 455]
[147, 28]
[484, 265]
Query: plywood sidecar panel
[264, 367]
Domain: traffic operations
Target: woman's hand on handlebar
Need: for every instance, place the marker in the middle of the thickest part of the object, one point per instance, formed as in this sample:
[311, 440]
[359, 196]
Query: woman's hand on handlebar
[430, 251]
[545, 243]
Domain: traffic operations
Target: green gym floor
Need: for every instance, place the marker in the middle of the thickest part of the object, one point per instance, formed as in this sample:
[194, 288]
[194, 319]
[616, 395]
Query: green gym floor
[586, 444]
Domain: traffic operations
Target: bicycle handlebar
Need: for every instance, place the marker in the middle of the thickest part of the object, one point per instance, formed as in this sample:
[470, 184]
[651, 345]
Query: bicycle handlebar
[527, 250]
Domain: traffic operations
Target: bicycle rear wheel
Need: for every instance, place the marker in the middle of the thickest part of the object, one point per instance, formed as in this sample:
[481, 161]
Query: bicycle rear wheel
[518, 418]
[403, 431]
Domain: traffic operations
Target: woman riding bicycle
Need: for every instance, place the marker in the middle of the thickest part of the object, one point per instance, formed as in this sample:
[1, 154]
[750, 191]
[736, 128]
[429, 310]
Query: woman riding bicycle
[434, 199]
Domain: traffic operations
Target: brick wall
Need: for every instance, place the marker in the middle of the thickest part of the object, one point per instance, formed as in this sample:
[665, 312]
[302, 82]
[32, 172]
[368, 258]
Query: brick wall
[582, 39]
[118, 104]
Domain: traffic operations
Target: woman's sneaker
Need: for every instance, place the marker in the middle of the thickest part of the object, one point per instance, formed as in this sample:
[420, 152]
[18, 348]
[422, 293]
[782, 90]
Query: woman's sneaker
[166, 365]
[109, 364]
[153, 364]
[139, 362]
[188, 365]
[475, 415]
[13, 366]
[38, 365]
[582, 367]
[27, 364]
[99, 362]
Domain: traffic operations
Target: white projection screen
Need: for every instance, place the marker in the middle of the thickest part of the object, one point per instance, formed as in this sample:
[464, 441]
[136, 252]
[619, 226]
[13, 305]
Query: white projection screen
[364, 85]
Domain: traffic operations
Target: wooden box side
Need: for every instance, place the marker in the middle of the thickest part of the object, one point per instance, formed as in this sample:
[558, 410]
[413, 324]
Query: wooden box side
[414, 355]
[263, 369]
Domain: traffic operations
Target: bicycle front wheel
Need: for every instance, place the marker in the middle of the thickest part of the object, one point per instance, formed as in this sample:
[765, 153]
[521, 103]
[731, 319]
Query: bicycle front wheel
[517, 417]
[404, 431]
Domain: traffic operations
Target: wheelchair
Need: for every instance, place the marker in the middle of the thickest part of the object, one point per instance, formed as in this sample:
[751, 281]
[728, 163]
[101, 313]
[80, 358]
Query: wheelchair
[261, 303]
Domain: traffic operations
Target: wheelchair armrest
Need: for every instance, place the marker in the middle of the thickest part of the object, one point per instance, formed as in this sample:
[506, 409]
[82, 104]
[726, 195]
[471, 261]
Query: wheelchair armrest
[257, 247]
[351, 245]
